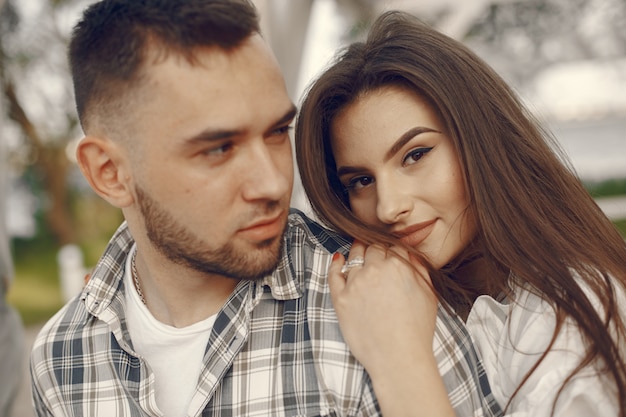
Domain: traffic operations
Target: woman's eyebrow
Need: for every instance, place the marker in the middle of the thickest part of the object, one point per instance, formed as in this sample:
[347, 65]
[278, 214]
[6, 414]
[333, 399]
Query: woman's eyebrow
[407, 136]
[395, 148]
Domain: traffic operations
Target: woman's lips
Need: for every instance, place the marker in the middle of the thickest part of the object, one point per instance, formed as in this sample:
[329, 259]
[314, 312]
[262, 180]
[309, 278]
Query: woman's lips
[414, 235]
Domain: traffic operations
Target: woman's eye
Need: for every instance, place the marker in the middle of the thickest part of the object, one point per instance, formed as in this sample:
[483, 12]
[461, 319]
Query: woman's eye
[358, 183]
[415, 155]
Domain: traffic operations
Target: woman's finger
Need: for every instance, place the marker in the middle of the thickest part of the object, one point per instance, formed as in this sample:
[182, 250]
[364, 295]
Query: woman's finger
[357, 250]
[376, 253]
[356, 258]
[336, 280]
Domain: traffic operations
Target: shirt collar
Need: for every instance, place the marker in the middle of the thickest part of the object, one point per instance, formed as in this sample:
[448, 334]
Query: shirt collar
[105, 283]
[285, 283]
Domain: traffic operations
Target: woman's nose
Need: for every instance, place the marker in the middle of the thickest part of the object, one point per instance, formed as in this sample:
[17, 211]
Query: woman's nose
[394, 202]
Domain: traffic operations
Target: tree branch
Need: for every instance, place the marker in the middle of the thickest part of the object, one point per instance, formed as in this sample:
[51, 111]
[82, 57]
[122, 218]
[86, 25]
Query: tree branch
[17, 114]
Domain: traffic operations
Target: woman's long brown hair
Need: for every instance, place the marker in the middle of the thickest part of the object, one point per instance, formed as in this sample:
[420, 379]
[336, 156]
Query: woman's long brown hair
[535, 219]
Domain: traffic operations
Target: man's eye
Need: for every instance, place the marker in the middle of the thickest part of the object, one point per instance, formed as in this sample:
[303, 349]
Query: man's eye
[415, 155]
[282, 130]
[220, 150]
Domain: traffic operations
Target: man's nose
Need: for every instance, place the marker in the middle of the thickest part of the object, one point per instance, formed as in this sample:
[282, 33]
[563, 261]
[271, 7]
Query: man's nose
[268, 173]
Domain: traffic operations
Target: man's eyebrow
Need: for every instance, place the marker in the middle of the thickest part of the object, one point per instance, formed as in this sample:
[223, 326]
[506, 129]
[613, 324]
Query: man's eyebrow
[212, 136]
[287, 117]
[406, 137]
[221, 134]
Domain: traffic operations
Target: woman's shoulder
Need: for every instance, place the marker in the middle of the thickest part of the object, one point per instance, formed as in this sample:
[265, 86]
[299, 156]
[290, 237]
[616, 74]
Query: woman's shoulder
[522, 325]
[529, 314]
[513, 336]
[525, 324]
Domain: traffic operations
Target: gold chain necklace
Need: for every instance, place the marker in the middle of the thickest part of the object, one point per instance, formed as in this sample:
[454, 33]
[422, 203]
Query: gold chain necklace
[133, 268]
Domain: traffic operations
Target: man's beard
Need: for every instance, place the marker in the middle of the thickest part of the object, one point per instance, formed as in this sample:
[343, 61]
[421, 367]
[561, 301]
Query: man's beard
[181, 246]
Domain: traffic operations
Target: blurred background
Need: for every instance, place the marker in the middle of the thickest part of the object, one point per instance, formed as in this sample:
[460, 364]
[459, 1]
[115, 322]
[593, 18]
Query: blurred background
[565, 58]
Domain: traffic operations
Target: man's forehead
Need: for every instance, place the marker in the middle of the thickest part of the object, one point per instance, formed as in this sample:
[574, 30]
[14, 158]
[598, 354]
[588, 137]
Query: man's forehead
[222, 93]
[157, 52]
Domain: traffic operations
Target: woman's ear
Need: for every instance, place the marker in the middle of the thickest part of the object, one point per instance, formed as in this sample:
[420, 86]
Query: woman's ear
[103, 165]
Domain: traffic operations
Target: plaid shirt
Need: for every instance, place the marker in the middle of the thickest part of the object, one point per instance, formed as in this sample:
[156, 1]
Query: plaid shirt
[275, 348]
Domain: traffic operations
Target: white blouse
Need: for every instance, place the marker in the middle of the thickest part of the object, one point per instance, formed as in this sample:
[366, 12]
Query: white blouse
[511, 339]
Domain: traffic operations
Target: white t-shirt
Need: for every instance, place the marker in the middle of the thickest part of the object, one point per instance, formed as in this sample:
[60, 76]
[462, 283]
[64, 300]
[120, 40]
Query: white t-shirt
[511, 339]
[173, 354]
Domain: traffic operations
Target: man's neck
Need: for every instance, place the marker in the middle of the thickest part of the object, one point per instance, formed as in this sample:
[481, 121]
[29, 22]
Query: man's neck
[177, 295]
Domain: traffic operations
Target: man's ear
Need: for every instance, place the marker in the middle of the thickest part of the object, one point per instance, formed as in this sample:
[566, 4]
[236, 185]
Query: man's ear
[103, 165]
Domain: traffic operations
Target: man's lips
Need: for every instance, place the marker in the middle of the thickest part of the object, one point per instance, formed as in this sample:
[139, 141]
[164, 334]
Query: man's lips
[415, 234]
[266, 228]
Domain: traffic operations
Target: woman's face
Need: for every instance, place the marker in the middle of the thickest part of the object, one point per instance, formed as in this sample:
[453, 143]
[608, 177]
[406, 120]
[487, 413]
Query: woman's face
[402, 172]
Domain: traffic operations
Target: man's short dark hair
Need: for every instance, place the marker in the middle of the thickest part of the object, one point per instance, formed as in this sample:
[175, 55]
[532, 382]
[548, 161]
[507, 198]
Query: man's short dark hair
[109, 45]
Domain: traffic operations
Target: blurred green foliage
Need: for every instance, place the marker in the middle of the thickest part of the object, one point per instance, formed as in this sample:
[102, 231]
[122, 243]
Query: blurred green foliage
[607, 188]
[36, 290]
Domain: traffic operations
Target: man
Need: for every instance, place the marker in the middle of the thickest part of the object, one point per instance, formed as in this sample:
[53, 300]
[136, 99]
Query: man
[211, 298]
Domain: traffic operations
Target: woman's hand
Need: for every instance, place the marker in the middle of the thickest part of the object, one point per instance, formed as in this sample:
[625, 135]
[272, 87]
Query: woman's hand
[387, 312]
[385, 307]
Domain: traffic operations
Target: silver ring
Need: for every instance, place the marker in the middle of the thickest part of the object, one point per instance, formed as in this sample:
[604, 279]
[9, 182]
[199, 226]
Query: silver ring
[358, 261]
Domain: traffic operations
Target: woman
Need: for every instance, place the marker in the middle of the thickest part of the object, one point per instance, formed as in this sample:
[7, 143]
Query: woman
[430, 158]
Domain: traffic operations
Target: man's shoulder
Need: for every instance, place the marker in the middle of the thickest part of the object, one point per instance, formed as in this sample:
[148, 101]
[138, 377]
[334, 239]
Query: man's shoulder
[73, 316]
[67, 326]
[300, 226]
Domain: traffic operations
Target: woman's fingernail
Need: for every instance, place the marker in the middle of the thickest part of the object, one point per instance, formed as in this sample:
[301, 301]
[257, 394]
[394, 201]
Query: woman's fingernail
[336, 256]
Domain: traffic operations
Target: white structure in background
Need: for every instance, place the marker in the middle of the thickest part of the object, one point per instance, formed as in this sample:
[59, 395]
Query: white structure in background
[71, 271]
[613, 207]
[458, 15]
[581, 90]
